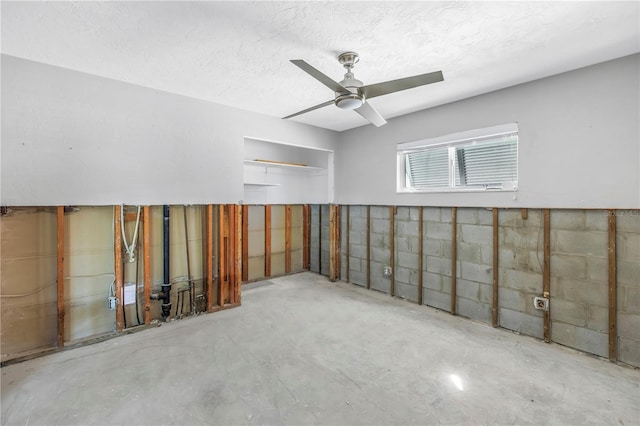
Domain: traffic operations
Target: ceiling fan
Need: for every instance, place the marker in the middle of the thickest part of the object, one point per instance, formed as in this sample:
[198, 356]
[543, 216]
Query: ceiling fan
[350, 93]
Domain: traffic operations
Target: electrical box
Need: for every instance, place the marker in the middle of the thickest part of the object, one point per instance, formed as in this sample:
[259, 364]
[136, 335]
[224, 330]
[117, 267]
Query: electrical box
[386, 271]
[541, 303]
[112, 303]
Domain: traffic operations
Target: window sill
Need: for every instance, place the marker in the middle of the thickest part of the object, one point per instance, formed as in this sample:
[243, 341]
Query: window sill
[454, 190]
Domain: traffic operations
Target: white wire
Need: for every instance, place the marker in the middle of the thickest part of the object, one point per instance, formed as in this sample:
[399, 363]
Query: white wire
[103, 274]
[130, 249]
[32, 292]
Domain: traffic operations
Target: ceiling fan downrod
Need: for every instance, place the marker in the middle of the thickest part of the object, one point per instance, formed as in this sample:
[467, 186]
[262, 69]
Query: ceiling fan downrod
[354, 98]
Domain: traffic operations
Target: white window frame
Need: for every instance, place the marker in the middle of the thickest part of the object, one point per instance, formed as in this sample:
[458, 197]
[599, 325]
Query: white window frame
[452, 141]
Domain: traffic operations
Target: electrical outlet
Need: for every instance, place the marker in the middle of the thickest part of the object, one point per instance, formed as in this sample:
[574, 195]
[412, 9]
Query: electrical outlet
[541, 303]
[386, 271]
[112, 303]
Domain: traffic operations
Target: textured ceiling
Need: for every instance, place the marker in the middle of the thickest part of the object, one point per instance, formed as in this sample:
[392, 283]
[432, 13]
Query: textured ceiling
[237, 53]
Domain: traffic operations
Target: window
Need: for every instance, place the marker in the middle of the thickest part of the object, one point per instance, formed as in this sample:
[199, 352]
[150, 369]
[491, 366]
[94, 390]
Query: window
[478, 160]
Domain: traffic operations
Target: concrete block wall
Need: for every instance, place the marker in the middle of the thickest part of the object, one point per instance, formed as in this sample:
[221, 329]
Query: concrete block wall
[579, 280]
[474, 287]
[406, 253]
[520, 265]
[357, 245]
[319, 244]
[380, 248]
[437, 232]
[343, 243]
[628, 276]
[579, 304]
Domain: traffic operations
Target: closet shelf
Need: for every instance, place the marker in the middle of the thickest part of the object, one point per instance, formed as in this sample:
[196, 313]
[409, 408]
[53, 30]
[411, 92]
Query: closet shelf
[260, 184]
[280, 165]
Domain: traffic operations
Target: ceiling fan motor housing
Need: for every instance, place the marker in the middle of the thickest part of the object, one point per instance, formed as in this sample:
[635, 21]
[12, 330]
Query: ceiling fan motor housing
[355, 98]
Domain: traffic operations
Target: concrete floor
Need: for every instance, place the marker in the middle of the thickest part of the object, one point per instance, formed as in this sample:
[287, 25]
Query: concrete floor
[302, 350]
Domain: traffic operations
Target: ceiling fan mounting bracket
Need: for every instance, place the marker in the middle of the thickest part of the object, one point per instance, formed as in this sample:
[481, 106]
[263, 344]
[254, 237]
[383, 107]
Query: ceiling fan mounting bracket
[348, 59]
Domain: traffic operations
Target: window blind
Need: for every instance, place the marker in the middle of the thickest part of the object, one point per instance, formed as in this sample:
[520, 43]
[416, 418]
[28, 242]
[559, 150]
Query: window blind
[428, 168]
[487, 163]
[476, 163]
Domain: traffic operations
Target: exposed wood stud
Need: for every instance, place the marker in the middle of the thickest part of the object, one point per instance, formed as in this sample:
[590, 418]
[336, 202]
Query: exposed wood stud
[334, 242]
[454, 256]
[546, 277]
[146, 249]
[60, 275]
[420, 249]
[240, 215]
[130, 217]
[287, 238]
[231, 252]
[613, 300]
[118, 268]
[239, 257]
[320, 239]
[209, 255]
[494, 310]
[392, 251]
[525, 214]
[347, 231]
[368, 247]
[306, 237]
[245, 243]
[236, 254]
[192, 290]
[267, 240]
[222, 255]
[338, 245]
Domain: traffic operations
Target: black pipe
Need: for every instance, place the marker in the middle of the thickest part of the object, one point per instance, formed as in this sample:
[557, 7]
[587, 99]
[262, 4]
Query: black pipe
[166, 287]
[137, 292]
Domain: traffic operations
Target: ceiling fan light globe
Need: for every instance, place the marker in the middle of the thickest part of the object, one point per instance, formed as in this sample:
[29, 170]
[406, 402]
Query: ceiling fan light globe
[349, 101]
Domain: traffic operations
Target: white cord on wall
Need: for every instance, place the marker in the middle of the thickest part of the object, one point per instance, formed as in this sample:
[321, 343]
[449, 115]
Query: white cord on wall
[130, 249]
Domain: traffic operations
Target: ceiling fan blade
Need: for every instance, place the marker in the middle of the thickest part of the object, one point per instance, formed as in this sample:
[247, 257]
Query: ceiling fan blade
[318, 75]
[370, 113]
[324, 104]
[379, 89]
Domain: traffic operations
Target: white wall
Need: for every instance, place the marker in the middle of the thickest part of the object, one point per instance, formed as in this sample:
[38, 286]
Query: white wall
[579, 143]
[74, 138]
